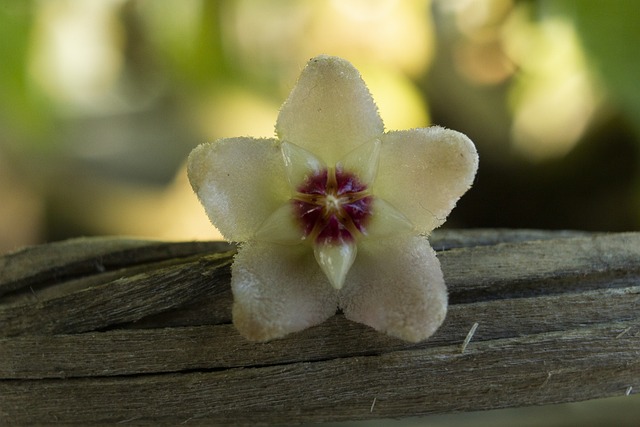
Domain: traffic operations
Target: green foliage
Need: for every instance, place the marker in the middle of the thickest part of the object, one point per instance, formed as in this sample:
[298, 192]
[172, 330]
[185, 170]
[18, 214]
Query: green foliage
[610, 33]
[20, 109]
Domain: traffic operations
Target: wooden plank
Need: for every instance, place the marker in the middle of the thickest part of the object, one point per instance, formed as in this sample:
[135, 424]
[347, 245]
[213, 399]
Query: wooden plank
[135, 351]
[37, 266]
[509, 270]
[147, 335]
[108, 299]
[122, 295]
[571, 365]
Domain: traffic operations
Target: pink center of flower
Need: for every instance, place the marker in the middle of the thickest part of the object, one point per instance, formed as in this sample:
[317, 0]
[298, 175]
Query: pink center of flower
[333, 206]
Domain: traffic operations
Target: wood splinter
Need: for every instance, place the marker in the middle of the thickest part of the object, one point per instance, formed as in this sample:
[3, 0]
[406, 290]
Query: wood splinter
[466, 341]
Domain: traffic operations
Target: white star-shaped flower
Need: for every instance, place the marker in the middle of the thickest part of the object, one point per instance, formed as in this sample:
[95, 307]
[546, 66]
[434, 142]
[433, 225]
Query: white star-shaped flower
[334, 212]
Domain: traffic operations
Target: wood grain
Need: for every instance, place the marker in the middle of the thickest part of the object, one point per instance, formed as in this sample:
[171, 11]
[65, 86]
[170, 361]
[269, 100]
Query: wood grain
[110, 330]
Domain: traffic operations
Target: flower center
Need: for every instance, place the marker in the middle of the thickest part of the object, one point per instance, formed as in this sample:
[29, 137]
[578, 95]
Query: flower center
[333, 206]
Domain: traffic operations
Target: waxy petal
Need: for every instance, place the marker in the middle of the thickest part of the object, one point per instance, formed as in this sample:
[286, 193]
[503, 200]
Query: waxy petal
[281, 227]
[423, 173]
[386, 221]
[278, 290]
[335, 260]
[363, 161]
[299, 163]
[396, 286]
[330, 110]
[240, 182]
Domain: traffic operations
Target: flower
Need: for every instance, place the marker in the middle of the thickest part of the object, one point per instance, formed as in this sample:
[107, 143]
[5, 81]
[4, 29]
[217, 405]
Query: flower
[333, 212]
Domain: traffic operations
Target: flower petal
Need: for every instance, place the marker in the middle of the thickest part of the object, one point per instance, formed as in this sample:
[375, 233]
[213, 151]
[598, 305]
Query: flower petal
[423, 173]
[240, 182]
[396, 286]
[277, 290]
[330, 110]
[335, 260]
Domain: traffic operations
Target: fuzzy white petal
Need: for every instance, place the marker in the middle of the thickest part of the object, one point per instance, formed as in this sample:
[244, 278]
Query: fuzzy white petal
[423, 173]
[278, 290]
[330, 110]
[396, 286]
[240, 182]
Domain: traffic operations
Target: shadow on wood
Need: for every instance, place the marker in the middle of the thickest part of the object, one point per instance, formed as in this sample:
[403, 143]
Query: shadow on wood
[112, 330]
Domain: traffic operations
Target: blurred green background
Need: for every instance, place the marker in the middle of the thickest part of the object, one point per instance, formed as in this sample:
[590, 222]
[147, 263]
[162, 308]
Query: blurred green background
[101, 102]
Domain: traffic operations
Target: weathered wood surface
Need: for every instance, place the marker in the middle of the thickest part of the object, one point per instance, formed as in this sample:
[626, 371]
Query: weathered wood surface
[115, 330]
